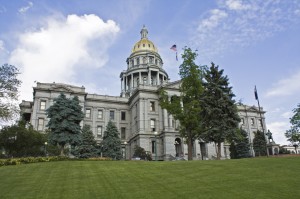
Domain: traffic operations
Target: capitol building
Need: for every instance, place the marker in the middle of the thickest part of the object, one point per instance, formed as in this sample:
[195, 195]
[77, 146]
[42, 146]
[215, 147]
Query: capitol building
[136, 112]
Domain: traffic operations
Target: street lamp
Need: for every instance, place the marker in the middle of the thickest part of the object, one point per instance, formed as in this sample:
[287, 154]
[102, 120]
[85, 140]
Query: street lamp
[155, 134]
[125, 143]
[46, 143]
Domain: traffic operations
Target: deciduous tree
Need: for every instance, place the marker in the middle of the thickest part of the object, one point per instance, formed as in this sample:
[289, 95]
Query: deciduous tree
[219, 112]
[186, 107]
[293, 134]
[65, 116]
[9, 85]
[21, 140]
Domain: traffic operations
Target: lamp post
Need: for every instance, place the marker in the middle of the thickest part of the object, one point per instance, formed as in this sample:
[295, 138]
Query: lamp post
[46, 143]
[155, 147]
[125, 143]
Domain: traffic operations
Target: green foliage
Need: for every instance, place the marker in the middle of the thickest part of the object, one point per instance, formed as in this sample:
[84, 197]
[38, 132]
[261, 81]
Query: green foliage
[88, 147]
[64, 124]
[219, 112]
[284, 151]
[259, 144]
[28, 160]
[141, 153]
[293, 134]
[8, 91]
[186, 107]
[239, 147]
[21, 140]
[111, 143]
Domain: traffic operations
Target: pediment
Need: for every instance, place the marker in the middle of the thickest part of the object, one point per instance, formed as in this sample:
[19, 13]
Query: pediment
[61, 88]
[174, 85]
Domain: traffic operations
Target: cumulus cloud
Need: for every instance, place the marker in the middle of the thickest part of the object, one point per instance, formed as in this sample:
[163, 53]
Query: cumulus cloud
[286, 87]
[237, 23]
[24, 9]
[61, 48]
[278, 129]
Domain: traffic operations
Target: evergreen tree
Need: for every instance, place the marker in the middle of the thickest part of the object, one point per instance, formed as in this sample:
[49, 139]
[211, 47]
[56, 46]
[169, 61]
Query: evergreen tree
[219, 112]
[88, 146]
[111, 143]
[8, 91]
[186, 107]
[64, 124]
[240, 147]
[259, 144]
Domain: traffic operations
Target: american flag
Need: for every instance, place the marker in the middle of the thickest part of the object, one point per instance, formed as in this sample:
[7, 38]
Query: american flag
[174, 47]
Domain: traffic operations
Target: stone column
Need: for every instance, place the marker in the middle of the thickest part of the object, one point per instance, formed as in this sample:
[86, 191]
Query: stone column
[149, 77]
[157, 78]
[140, 77]
[131, 81]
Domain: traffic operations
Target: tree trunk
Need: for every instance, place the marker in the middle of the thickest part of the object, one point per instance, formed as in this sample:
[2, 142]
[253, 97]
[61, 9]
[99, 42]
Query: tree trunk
[219, 151]
[190, 148]
[62, 150]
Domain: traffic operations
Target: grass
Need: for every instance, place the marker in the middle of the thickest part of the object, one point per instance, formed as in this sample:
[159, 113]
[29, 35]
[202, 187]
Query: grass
[246, 178]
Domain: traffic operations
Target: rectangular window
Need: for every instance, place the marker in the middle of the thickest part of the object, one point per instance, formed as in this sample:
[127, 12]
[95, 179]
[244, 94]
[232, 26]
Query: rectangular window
[100, 114]
[252, 121]
[40, 124]
[242, 121]
[152, 106]
[99, 131]
[88, 113]
[153, 147]
[260, 123]
[111, 115]
[43, 105]
[123, 133]
[152, 124]
[123, 115]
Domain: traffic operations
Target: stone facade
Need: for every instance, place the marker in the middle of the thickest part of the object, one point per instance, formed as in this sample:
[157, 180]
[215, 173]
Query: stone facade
[136, 113]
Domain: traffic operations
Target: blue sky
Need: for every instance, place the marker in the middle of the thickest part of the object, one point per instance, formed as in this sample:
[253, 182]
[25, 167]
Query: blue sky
[87, 42]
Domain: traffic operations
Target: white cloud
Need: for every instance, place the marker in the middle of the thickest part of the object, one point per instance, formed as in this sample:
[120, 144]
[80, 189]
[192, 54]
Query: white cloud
[62, 48]
[278, 129]
[233, 24]
[237, 5]
[286, 87]
[287, 115]
[215, 18]
[1, 45]
[24, 9]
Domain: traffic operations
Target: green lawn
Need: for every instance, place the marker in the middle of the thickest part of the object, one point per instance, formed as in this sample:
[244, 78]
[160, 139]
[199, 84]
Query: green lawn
[247, 178]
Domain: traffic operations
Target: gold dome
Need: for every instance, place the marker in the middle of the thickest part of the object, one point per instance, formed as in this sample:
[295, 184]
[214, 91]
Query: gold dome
[144, 43]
